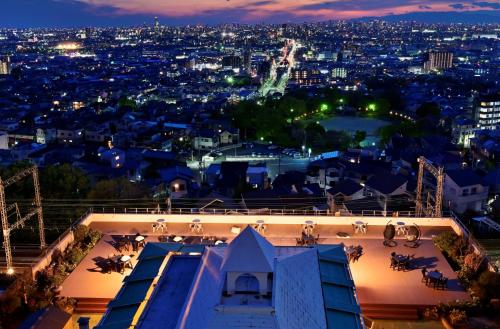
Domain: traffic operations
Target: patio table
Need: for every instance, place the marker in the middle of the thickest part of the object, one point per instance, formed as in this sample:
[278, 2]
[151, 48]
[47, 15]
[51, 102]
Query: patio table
[400, 258]
[435, 275]
[359, 227]
[308, 227]
[125, 258]
[401, 228]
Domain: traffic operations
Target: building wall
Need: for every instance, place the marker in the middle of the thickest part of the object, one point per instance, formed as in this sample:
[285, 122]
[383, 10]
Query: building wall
[4, 141]
[226, 138]
[178, 188]
[460, 202]
[488, 114]
[203, 143]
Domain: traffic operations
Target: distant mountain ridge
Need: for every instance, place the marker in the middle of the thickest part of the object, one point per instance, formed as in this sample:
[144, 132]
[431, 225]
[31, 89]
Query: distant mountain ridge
[445, 17]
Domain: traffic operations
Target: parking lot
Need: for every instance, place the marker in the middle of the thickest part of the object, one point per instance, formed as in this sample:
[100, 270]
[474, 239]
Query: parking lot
[277, 160]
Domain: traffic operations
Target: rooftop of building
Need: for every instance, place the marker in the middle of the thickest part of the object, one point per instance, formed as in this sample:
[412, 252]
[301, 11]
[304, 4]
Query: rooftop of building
[376, 283]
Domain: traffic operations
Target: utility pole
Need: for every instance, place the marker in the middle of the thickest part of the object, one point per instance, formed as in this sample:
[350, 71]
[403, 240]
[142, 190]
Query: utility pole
[20, 220]
[5, 229]
[438, 173]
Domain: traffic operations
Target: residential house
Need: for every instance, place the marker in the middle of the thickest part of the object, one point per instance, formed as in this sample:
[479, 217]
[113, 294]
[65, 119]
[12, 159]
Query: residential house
[492, 180]
[205, 139]
[257, 176]
[4, 141]
[229, 136]
[114, 156]
[385, 184]
[345, 190]
[95, 136]
[212, 173]
[464, 190]
[69, 136]
[232, 178]
[462, 131]
[178, 180]
[324, 172]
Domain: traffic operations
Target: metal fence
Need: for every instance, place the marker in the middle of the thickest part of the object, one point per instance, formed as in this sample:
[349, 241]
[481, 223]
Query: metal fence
[473, 242]
[253, 212]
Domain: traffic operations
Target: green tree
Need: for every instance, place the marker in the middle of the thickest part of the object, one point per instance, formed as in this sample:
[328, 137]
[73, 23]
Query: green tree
[428, 109]
[337, 140]
[291, 107]
[487, 286]
[126, 103]
[244, 117]
[359, 136]
[64, 182]
[119, 188]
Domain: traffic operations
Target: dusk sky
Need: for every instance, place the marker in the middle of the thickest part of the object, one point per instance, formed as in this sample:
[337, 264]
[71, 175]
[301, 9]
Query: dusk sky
[25, 13]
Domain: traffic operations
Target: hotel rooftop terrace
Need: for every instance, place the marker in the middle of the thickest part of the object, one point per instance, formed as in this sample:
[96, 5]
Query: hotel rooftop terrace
[381, 291]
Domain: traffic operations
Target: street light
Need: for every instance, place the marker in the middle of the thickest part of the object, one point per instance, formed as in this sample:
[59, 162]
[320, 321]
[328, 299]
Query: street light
[309, 151]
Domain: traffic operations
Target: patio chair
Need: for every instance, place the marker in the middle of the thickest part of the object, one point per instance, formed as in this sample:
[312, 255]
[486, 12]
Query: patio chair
[120, 267]
[394, 263]
[357, 253]
[413, 236]
[389, 234]
[425, 278]
[442, 283]
[402, 265]
[106, 267]
[129, 265]
[434, 282]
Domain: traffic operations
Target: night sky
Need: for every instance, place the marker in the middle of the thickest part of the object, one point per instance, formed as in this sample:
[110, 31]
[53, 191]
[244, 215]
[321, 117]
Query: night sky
[75, 13]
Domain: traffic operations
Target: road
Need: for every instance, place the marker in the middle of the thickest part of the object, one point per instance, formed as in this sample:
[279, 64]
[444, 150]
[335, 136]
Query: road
[275, 161]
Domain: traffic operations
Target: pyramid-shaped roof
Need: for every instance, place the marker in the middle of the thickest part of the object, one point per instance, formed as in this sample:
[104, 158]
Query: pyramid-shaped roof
[249, 252]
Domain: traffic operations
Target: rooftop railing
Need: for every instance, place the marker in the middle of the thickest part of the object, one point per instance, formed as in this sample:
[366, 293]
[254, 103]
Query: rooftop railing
[253, 212]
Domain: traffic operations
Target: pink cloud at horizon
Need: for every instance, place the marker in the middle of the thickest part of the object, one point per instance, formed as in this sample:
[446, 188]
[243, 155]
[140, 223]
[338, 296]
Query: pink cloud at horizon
[259, 10]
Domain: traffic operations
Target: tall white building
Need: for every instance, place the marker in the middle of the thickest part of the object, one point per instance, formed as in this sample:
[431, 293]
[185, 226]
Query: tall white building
[438, 60]
[5, 67]
[488, 112]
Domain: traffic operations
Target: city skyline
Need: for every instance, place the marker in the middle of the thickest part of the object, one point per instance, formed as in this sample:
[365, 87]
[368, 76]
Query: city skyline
[77, 13]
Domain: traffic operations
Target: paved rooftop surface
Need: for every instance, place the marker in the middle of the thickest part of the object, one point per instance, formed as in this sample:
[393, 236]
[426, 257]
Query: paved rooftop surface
[376, 282]
[87, 281]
